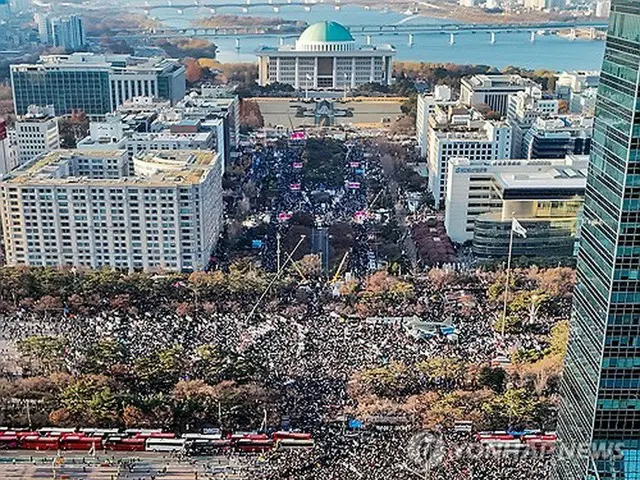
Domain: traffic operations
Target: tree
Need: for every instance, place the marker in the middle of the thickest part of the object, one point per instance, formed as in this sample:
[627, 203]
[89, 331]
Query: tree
[250, 114]
[493, 378]
[91, 401]
[444, 373]
[559, 339]
[103, 355]
[310, 266]
[514, 408]
[512, 323]
[72, 129]
[194, 402]
[43, 355]
[159, 371]
[391, 381]
[193, 70]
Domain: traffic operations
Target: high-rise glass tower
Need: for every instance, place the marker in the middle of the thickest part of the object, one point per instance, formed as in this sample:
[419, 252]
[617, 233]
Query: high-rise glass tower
[599, 424]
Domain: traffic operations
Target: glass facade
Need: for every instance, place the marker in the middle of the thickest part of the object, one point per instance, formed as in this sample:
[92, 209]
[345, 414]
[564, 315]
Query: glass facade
[66, 90]
[599, 423]
[548, 237]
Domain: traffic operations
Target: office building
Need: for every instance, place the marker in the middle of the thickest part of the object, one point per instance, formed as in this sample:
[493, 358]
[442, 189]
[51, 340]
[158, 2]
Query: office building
[8, 149]
[558, 136]
[43, 22]
[95, 84]
[426, 106]
[61, 32]
[325, 56]
[81, 208]
[475, 188]
[37, 132]
[116, 134]
[68, 33]
[578, 89]
[599, 417]
[214, 102]
[523, 110]
[462, 132]
[492, 90]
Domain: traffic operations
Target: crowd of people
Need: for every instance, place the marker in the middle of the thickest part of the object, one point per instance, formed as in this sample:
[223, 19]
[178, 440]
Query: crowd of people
[307, 341]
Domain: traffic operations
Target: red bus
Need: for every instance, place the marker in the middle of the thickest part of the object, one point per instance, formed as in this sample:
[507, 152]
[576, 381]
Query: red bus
[39, 443]
[79, 442]
[9, 442]
[125, 444]
[253, 446]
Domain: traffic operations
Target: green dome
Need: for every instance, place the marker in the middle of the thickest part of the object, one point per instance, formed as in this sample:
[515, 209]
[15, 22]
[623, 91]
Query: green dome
[325, 32]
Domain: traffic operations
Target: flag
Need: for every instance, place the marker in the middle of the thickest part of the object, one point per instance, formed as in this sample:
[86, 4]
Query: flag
[516, 227]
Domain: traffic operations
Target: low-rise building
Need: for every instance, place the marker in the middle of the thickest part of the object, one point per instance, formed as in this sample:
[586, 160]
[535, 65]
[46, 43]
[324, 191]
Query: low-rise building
[115, 134]
[492, 90]
[479, 191]
[558, 136]
[82, 208]
[578, 88]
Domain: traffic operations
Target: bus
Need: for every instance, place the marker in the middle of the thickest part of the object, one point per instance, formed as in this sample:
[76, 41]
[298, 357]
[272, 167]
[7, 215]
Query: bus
[290, 444]
[80, 442]
[56, 432]
[249, 445]
[9, 442]
[99, 432]
[36, 442]
[120, 444]
[291, 436]
[164, 444]
[207, 447]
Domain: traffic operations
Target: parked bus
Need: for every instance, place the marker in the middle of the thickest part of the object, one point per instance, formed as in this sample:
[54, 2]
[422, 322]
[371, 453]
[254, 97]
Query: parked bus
[164, 444]
[80, 442]
[36, 442]
[120, 444]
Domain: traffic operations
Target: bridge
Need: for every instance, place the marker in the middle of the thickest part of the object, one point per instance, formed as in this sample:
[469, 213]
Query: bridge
[181, 6]
[451, 29]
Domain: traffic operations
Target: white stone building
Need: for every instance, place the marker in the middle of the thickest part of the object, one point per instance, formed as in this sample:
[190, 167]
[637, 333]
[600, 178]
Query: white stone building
[325, 56]
[524, 108]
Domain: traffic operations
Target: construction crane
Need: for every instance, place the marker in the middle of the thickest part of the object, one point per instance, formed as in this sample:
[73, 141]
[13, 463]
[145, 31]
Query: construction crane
[337, 275]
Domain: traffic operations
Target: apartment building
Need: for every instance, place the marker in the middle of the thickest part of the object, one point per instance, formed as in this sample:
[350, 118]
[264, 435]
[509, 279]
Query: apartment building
[82, 208]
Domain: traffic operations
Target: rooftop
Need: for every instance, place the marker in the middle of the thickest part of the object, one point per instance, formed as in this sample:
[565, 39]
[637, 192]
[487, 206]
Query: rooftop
[87, 60]
[323, 32]
[498, 81]
[168, 168]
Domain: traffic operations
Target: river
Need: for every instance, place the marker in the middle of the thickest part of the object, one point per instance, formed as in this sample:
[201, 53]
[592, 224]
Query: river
[548, 51]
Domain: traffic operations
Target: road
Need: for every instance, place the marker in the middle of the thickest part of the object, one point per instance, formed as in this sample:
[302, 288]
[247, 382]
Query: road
[121, 466]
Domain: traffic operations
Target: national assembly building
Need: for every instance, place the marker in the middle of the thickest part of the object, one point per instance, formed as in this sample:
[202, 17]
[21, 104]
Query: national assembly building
[325, 56]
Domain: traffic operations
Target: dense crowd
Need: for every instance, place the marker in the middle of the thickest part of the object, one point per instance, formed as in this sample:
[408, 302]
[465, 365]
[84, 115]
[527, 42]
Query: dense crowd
[188, 348]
